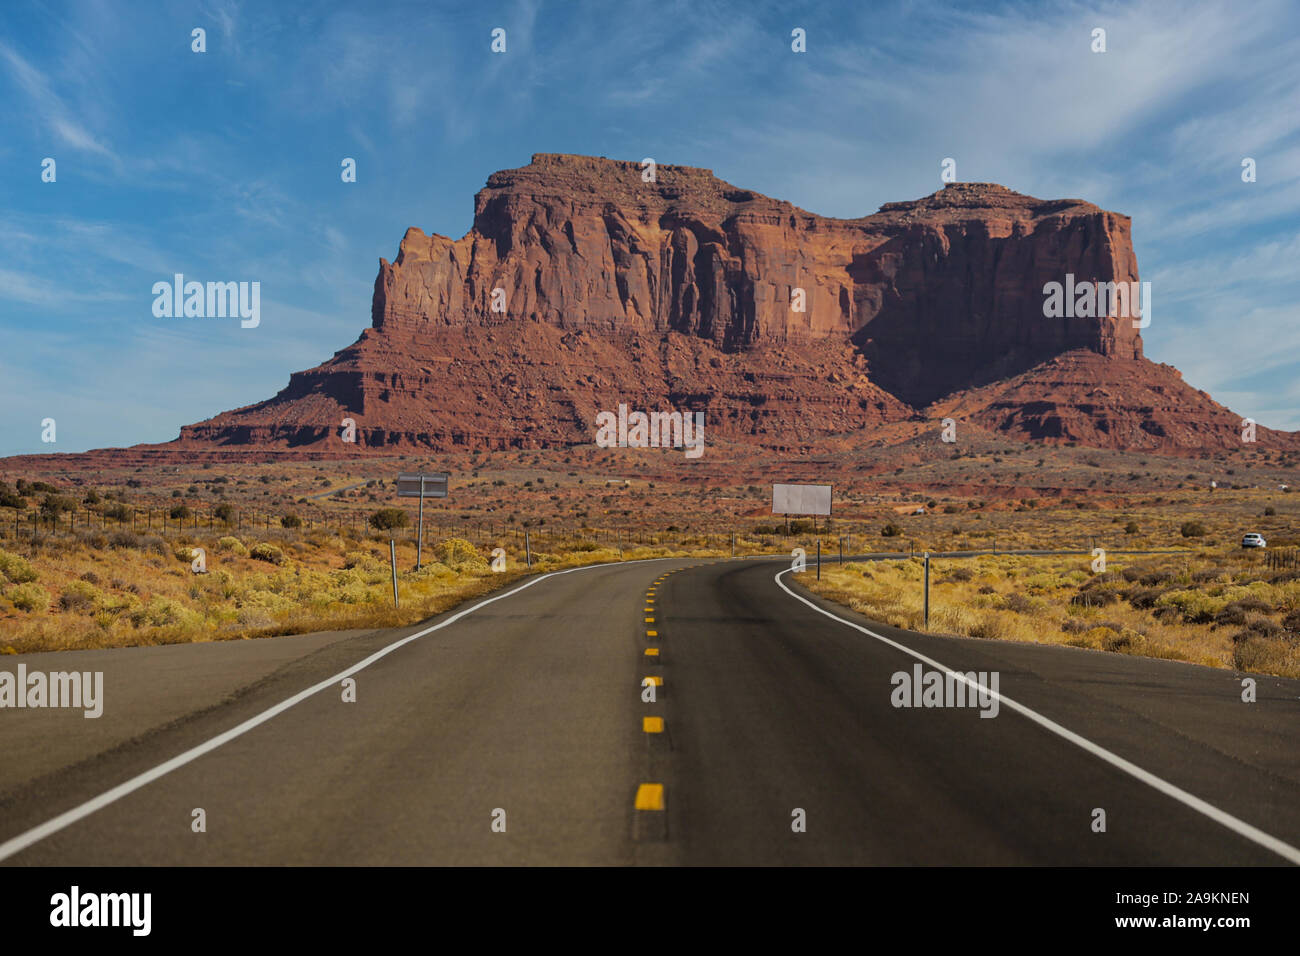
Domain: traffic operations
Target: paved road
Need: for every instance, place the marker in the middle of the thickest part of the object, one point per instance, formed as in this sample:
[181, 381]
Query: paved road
[532, 704]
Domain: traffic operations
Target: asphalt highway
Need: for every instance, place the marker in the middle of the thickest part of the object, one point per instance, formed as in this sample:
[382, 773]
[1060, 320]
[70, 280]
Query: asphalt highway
[515, 731]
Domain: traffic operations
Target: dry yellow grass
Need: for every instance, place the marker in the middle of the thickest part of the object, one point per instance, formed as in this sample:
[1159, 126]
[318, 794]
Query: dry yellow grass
[73, 593]
[1222, 610]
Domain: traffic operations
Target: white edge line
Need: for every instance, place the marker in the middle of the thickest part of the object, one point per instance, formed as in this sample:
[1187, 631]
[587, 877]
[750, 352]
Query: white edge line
[66, 819]
[1241, 827]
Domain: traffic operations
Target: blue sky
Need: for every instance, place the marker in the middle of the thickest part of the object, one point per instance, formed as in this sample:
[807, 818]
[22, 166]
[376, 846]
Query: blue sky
[225, 165]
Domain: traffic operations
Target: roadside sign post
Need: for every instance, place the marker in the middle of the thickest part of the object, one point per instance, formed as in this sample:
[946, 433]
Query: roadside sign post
[419, 538]
[392, 561]
[927, 590]
[790, 499]
[819, 558]
[431, 485]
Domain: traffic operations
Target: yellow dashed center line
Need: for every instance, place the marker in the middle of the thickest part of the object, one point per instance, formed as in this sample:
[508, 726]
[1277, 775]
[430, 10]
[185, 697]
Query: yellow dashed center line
[652, 725]
[649, 620]
[650, 796]
[652, 652]
[657, 681]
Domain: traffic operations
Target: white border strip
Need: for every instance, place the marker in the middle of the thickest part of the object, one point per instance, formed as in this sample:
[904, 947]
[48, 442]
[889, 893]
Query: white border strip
[1241, 827]
[64, 820]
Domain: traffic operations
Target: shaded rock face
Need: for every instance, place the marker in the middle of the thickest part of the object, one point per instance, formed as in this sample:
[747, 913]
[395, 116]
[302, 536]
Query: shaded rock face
[683, 293]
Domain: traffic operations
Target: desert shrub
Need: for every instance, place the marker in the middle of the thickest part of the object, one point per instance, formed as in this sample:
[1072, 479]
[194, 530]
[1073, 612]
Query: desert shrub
[184, 554]
[79, 596]
[386, 519]
[232, 545]
[1292, 621]
[179, 513]
[121, 538]
[891, 530]
[29, 597]
[267, 552]
[359, 559]
[1075, 625]
[1192, 529]
[1118, 641]
[224, 512]
[1269, 512]
[1095, 596]
[1020, 604]
[1196, 607]
[987, 589]
[1263, 626]
[1132, 528]
[1262, 654]
[1152, 578]
[959, 574]
[160, 612]
[989, 627]
[54, 505]
[290, 521]
[90, 577]
[1206, 575]
[460, 555]
[118, 512]
[151, 542]
[1143, 598]
[16, 568]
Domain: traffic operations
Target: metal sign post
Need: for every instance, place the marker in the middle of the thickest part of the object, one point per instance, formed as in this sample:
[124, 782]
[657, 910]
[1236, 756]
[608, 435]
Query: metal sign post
[432, 485]
[419, 537]
[392, 560]
[927, 590]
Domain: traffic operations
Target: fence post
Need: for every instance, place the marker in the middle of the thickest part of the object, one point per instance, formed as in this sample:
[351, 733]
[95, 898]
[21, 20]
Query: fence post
[528, 549]
[819, 558]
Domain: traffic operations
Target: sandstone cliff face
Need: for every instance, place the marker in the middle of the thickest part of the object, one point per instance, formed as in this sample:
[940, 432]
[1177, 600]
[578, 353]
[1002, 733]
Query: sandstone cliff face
[940, 292]
[678, 293]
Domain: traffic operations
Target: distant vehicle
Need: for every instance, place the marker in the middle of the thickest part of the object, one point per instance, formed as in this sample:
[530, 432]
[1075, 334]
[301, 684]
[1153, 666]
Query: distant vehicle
[1253, 540]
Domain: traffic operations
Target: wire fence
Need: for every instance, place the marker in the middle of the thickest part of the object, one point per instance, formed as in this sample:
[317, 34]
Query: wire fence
[538, 536]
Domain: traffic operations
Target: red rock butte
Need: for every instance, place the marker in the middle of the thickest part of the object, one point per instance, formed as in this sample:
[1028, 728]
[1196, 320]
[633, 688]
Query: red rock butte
[680, 294]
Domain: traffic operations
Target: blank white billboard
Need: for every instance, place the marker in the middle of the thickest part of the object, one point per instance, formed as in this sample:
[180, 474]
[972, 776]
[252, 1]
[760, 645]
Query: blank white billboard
[801, 499]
